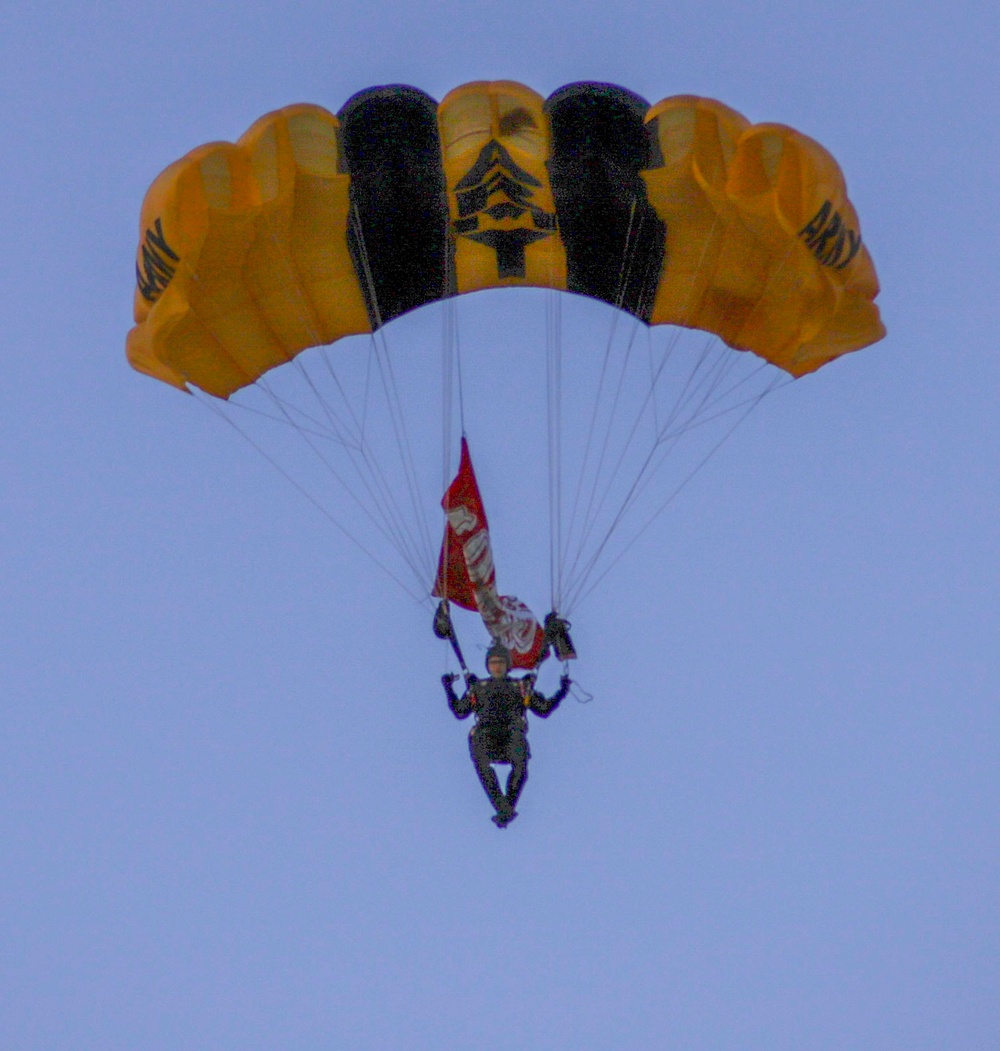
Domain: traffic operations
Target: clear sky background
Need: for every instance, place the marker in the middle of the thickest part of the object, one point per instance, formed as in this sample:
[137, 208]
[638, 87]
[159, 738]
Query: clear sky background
[234, 809]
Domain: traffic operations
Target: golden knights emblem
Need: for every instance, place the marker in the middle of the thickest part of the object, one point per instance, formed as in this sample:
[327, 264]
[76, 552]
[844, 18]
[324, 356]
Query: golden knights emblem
[495, 208]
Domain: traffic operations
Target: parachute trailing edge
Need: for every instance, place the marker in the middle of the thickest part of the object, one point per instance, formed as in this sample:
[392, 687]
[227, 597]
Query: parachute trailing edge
[314, 226]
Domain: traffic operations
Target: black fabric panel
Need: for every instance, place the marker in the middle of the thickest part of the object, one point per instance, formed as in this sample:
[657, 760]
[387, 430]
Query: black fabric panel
[399, 224]
[613, 237]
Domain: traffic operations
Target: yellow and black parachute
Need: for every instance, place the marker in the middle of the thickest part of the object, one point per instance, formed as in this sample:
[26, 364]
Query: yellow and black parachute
[315, 226]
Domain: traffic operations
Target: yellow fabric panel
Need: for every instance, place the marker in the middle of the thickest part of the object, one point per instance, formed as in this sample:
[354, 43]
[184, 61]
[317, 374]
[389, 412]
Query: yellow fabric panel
[219, 295]
[792, 191]
[697, 139]
[243, 256]
[730, 268]
[213, 197]
[741, 259]
[170, 341]
[320, 222]
[797, 298]
[495, 141]
[299, 268]
[269, 271]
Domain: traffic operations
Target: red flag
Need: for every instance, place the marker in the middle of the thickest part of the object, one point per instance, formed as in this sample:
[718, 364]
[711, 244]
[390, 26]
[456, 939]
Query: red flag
[466, 525]
[466, 574]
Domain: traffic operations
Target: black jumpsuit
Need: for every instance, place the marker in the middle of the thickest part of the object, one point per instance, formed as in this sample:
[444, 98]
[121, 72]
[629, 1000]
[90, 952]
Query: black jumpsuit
[501, 731]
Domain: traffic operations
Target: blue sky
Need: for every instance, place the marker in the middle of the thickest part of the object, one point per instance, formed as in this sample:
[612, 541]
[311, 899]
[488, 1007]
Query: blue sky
[235, 811]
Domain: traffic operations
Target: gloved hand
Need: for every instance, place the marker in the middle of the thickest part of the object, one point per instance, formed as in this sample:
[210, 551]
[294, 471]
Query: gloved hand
[447, 680]
[470, 678]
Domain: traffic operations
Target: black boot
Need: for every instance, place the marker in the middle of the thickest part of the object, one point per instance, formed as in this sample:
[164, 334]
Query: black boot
[504, 815]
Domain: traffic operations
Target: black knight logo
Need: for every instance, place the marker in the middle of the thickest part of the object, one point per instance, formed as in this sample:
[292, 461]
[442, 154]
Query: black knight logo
[496, 188]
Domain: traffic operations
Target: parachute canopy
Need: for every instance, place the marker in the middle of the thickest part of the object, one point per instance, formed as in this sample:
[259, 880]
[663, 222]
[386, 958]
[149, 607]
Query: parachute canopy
[314, 226]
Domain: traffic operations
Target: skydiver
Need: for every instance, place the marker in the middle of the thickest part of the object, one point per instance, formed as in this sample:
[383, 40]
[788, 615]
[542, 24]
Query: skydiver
[500, 733]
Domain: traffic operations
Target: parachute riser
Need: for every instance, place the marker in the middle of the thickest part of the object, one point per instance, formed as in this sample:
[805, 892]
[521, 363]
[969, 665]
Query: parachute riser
[444, 629]
[557, 636]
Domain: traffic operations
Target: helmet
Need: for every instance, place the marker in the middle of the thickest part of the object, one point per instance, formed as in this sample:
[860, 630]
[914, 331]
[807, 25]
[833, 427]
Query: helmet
[498, 649]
